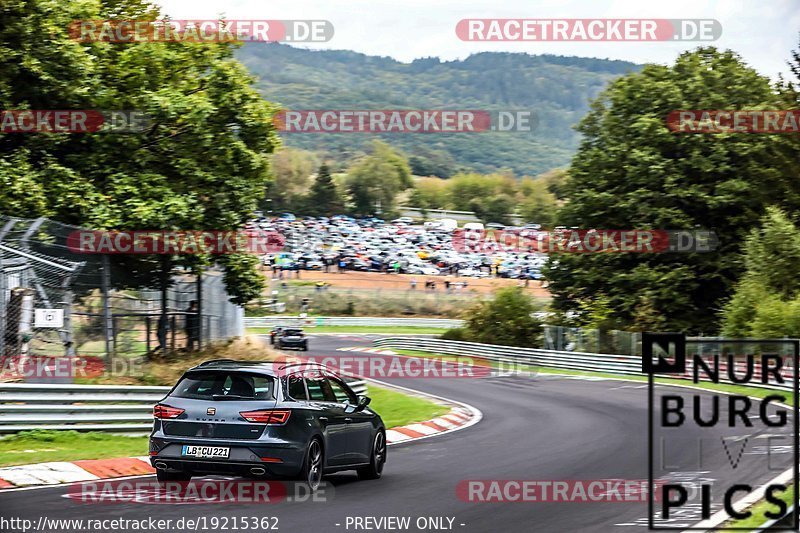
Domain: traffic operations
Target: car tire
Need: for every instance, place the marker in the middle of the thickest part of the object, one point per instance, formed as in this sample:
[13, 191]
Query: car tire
[313, 465]
[305, 347]
[376, 460]
[170, 477]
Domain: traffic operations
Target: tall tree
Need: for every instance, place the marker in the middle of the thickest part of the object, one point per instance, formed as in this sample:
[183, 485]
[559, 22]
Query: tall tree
[292, 170]
[325, 198]
[771, 254]
[375, 180]
[202, 163]
[631, 172]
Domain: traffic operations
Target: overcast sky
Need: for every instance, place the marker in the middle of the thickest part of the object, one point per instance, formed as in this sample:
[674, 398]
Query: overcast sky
[762, 31]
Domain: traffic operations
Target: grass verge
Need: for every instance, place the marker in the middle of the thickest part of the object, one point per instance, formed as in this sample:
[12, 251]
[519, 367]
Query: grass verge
[757, 518]
[398, 409]
[43, 446]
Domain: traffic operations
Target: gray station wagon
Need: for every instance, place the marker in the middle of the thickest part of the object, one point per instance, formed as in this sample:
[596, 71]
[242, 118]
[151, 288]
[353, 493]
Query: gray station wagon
[296, 421]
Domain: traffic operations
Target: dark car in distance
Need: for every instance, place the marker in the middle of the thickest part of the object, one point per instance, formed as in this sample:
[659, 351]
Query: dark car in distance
[276, 420]
[292, 338]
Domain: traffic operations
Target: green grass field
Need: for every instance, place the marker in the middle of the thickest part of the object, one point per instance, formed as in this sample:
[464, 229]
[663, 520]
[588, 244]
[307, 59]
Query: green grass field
[396, 409]
[42, 446]
[399, 409]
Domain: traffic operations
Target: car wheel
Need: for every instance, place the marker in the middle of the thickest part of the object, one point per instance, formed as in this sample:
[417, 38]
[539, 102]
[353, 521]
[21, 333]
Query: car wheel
[305, 347]
[313, 465]
[169, 477]
[377, 459]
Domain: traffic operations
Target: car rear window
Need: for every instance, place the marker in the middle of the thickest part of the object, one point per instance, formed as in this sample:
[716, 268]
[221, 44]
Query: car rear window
[288, 332]
[207, 385]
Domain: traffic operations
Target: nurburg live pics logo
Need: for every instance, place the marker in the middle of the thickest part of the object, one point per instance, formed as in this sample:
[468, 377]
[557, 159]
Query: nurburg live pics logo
[756, 468]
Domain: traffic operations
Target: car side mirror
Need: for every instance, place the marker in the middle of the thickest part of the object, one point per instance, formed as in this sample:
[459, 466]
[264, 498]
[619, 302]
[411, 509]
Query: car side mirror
[363, 402]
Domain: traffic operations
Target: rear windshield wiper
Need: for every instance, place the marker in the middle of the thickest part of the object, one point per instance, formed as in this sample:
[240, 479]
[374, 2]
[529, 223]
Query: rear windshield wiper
[218, 397]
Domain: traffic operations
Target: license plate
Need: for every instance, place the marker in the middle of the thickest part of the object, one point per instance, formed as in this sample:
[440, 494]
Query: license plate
[206, 451]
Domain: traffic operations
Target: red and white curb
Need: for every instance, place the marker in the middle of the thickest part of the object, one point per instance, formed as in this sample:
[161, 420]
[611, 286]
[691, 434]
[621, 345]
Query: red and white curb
[58, 472]
[367, 350]
[457, 418]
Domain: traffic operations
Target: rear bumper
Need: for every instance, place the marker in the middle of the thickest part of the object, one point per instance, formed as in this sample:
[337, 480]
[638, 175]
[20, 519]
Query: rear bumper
[277, 459]
[293, 344]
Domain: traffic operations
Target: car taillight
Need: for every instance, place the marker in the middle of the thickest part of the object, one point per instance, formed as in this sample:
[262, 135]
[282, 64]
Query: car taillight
[165, 411]
[268, 416]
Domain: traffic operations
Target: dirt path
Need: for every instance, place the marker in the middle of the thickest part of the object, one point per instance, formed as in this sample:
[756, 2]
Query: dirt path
[375, 280]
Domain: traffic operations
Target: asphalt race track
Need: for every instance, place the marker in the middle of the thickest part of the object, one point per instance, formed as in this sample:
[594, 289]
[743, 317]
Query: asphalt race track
[533, 428]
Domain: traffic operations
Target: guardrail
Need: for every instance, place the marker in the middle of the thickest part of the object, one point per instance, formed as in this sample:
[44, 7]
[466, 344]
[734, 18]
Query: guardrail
[118, 409]
[621, 364]
[583, 361]
[312, 321]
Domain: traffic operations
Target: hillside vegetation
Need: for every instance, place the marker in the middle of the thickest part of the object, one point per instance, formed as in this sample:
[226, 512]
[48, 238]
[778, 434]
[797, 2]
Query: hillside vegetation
[557, 89]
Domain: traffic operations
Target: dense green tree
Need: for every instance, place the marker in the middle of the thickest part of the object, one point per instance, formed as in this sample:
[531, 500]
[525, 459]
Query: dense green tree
[771, 255]
[467, 188]
[430, 193]
[325, 198]
[506, 319]
[631, 172]
[494, 208]
[538, 203]
[375, 180]
[425, 162]
[292, 170]
[201, 164]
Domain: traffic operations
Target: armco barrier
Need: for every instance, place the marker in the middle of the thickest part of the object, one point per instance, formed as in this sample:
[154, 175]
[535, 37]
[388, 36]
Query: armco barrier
[590, 362]
[29, 406]
[312, 321]
[597, 362]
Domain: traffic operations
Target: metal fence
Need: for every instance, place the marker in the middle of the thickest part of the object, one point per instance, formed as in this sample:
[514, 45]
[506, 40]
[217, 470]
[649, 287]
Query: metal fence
[29, 406]
[57, 302]
[592, 340]
[312, 321]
